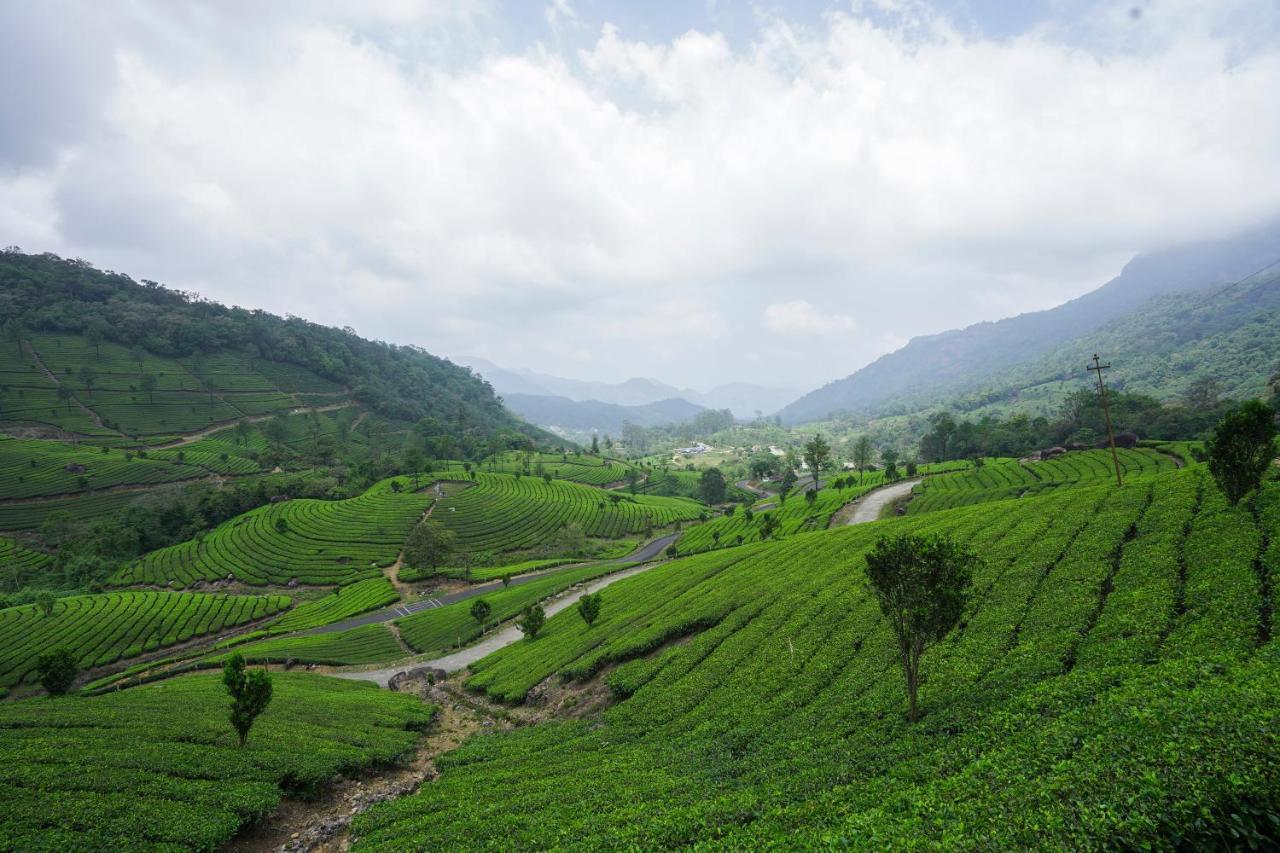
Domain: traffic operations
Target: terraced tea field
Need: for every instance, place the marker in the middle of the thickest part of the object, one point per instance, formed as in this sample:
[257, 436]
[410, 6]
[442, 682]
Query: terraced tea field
[585, 469]
[157, 767]
[363, 645]
[102, 629]
[310, 541]
[505, 513]
[31, 468]
[18, 562]
[1107, 630]
[797, 515]
[1010, 479]
[188, 394]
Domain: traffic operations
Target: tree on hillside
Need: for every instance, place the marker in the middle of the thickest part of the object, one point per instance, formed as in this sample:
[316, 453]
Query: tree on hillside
[45, 601]
[589, 608]
[889, 456]
[788, 483]
[250, 694]
[595, 444]
[429, 545]
[712, 487]
[1242, 448]
[480, 610]
[922, 585]
[763, 465]
[768, 526]
[532, 621]
[57, 669]
[633, 480]
[862, 456]
[817, 453]
[65, 395]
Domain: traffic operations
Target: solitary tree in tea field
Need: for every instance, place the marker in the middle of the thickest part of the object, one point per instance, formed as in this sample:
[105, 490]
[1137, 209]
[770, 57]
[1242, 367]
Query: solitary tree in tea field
[922, 585]
[1242, 447]
[250, 694]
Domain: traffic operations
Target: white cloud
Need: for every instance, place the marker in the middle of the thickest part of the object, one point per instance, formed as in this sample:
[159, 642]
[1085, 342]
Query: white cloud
[648, 190]
[801, 317]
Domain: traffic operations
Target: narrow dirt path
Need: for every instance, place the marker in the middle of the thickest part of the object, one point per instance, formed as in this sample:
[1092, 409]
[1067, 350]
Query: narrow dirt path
[325, 824]
[869, 506]
[392, 572]
[75, 398]
[193, 437]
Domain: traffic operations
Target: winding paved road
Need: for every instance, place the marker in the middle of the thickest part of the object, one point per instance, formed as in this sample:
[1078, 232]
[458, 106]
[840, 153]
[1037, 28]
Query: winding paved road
[643, 554]
[491, 642]
[869, 506]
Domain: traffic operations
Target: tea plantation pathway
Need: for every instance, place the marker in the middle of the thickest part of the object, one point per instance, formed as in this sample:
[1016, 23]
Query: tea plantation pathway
[494, 641]
[643, 554]
[869, 506]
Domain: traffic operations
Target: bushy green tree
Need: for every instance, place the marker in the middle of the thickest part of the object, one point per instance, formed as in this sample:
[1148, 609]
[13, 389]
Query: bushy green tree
[480, 610]
[712, 487]
[922, 586]
[589, 607]
[429, 545]
[57, 669]
[1242, 448]
[250, 694]
[532, 621]
[817, 453]
[45, 601]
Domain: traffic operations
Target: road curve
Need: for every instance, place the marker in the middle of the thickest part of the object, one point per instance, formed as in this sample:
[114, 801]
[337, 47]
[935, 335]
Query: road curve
[643, 554]
[869, 506]
[491, 642]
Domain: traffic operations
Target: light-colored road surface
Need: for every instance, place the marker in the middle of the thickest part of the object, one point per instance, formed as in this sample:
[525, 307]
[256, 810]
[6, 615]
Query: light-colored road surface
[497, 640]
[869, 506]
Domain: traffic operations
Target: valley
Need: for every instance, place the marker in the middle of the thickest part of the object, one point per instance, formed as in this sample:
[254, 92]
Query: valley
[472, 630]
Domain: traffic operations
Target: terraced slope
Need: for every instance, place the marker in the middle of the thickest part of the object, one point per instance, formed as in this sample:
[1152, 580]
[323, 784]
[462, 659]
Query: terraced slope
[30, 468]
[589, 470]
[310, 541]
[1112, 684]
[505, 513]
[796, 515]
[157, 767]
[18, 562]
[189, 394]
[1010, 478]
[102, 629]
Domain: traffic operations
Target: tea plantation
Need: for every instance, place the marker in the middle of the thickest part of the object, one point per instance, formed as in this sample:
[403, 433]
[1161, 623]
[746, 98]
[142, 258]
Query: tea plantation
[157, 767]
[307, 541]
[1112, 684]
[1011, 479]
[502, 512]
[102, 629]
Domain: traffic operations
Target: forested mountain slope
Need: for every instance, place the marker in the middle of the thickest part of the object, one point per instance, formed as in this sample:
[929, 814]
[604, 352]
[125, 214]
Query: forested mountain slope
[935, 367]
[101, 334]
[1229, 334]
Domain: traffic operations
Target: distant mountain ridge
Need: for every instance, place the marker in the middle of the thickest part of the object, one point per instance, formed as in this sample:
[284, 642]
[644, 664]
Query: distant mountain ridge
[588, 416]
[933, 368]
[742, 398]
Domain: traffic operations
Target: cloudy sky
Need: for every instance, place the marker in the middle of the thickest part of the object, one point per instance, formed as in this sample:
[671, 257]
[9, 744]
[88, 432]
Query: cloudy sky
[694, 191]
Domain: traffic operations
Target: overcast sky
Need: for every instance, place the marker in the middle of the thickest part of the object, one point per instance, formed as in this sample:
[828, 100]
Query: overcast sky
[697, 192]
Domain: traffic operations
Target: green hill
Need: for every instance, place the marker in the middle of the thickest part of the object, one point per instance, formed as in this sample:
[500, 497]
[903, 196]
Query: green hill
[1164, 320]
[1112, 684]
[97, 354]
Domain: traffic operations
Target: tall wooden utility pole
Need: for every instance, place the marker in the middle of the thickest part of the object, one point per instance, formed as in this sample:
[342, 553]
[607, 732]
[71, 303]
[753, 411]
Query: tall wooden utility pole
[1098, 367]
